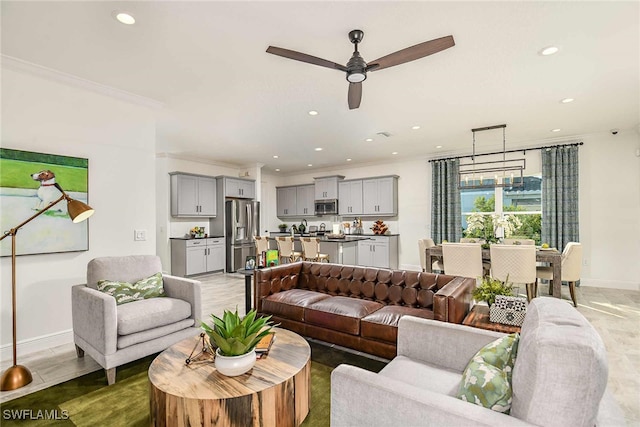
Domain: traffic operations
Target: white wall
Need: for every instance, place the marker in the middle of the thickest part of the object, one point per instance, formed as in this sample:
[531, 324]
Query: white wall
[43, 115]
[609, 205]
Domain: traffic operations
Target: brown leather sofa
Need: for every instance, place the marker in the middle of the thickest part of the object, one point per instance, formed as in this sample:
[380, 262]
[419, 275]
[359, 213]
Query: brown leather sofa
[357, 307]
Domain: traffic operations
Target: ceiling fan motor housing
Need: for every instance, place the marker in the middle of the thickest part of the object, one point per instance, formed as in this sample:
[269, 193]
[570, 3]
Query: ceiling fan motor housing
[356, 68]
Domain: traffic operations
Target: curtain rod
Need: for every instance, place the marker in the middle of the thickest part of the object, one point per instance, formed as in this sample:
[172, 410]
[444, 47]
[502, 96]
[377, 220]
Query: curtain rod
[523, 150]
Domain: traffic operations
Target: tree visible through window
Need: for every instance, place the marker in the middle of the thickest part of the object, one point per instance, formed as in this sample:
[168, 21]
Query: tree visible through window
[525, 202]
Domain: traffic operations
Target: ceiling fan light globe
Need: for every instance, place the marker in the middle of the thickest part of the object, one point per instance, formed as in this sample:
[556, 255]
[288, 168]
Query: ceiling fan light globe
[356, 77]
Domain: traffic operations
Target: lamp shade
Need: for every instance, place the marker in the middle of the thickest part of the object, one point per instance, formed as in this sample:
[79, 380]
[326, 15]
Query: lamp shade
[78, 211]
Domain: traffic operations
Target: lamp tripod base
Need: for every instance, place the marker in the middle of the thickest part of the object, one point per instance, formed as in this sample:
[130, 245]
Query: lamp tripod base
[15, 377]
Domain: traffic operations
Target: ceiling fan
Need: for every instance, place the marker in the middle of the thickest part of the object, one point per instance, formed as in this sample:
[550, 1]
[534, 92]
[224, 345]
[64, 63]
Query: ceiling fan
[357, 68]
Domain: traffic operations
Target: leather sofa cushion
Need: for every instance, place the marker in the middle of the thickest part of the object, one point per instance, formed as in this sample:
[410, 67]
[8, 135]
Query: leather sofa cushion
[340, 313]
[290, 304]
[383, 324]
[151, 313]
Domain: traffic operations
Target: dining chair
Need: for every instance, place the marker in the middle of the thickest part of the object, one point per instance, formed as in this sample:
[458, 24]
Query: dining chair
[571, 268]
[311, 249]
[517, 263]
[486, 265]
[262, 244]
[471, 240]
[423, 245]
[286, 250]
[462, 259]
[518, 242]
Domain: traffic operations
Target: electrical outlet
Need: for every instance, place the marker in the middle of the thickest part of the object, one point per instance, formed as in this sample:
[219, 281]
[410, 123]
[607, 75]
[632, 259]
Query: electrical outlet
[139, 235]
[584, 262]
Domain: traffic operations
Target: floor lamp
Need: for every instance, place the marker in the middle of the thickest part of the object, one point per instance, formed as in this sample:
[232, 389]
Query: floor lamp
[17, 375]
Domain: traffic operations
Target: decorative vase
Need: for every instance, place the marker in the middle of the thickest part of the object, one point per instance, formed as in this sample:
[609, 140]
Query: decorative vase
[232, 366]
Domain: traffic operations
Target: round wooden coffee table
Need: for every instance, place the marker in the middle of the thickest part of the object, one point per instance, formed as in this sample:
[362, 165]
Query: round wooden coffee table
[276, 392]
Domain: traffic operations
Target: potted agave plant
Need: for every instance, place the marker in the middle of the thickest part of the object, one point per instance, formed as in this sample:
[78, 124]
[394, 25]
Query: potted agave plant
[236, 339]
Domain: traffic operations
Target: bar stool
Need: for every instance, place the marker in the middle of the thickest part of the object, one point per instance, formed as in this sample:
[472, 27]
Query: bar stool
[311, 249]
[285, 248]
[262, 244]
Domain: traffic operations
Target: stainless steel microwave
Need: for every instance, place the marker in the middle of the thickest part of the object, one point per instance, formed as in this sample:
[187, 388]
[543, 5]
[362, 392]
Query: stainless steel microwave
[326, 207]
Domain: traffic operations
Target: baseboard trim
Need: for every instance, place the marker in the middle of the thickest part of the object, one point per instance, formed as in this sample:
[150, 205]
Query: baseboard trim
[33, 345]
[610, 284]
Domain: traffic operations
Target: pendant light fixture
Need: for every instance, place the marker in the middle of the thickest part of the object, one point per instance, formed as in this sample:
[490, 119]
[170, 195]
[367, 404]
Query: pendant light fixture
[498, 173]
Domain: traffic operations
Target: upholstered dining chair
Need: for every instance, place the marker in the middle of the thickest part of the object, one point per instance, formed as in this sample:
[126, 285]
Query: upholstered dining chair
[286, 250]
[518, 242]
[486, 265]
[114, 334]
[311, 249]
[517, 262]
[462, 259]
[571, 268]
[262, 244]
[423, 245]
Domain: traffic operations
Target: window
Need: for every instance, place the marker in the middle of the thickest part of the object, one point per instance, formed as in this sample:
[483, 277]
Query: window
[524, 202]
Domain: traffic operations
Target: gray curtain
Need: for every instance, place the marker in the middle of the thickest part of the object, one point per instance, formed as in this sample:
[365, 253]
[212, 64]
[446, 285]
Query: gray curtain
[560, 196]
[446, 213]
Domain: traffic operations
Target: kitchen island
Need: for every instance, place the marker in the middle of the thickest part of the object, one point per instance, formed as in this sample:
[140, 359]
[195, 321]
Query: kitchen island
[340, 251]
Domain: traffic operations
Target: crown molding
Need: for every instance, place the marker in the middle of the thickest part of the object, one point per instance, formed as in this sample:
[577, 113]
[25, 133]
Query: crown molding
[16, 64]
[206, 161]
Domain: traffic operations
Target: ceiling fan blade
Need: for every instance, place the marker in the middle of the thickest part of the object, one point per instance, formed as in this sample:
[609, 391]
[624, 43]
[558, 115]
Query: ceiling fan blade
[355, 95]
[292, 54]
[412, 53]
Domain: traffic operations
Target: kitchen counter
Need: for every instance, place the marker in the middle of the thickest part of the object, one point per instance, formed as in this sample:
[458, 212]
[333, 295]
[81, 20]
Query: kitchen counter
[195, 238]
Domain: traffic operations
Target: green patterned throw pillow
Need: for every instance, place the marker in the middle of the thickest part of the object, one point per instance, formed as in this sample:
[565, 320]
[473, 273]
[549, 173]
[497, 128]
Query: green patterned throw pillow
[124, 292]
[486, 381]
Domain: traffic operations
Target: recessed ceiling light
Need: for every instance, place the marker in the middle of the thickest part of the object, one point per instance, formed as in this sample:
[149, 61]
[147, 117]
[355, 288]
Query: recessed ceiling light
[124, 17]
[415, 127]
[369, 139]
[567, 100]
[438, 146]
[313, 113]
[277, 170]
[555, 130]
[394, 153]
[309, 165]
[275, 157]
[348, 160]
[319, 149]
[550, 50]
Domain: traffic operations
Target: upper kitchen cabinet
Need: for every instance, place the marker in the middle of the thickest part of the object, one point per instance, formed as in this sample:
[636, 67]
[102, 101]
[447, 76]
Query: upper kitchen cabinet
[239, 188]
[326, 187]
[380, 196]
[350, 198]
[305, 200]
[286, 201]
[192, 195]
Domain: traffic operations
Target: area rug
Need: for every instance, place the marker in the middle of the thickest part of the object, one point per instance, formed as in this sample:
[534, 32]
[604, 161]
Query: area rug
[87, 401]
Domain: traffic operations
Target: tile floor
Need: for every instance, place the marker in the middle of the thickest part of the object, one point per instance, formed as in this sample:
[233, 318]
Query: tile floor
[614, 313]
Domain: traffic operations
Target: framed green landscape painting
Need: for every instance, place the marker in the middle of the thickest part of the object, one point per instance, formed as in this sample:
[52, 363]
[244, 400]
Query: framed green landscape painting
[27, 185]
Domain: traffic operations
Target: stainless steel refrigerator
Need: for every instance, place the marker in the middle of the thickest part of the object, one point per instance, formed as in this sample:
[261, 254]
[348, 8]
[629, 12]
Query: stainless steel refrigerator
[242, 222]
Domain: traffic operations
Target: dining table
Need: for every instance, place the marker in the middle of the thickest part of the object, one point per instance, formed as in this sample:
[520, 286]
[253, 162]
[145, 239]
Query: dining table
[551, 256]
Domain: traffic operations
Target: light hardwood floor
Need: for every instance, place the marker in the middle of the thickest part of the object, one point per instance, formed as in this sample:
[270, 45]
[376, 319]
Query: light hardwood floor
[614, 313]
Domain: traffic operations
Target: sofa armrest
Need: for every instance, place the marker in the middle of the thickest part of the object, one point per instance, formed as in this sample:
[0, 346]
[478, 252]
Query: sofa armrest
[271, 280]
[363, 398]
[452, 302]
[95, 318]
[442, 344]
[187, 290]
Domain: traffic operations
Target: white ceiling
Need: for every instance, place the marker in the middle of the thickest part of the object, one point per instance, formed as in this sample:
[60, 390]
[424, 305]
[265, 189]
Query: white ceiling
[227, 100]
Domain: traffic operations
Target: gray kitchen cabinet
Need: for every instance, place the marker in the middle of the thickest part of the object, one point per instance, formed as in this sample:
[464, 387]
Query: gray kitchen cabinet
[380, 196]
[378, 251]
[286, 198]
[196, 256]
[192, 195]
[239, 188]
[326, 188]
[350, 198]
[305, 200]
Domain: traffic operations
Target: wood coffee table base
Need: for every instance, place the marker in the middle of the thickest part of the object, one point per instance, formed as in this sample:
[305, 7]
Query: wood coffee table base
[276, 392]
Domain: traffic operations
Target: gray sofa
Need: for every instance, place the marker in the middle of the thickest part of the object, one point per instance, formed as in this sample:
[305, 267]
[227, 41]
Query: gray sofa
[117, 334]
[559, 377]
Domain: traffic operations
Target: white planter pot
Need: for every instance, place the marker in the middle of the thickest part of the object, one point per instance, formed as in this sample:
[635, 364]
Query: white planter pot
[232, 366]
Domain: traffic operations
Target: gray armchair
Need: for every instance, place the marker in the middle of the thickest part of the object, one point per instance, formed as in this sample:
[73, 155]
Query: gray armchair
[117, 334]
[559, 377]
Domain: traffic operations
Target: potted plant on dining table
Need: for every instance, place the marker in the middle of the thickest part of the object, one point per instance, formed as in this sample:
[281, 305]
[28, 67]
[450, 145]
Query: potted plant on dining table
[486, 227]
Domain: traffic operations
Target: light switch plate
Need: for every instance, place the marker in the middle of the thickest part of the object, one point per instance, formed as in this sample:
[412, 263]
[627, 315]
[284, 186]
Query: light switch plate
[139, 235]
